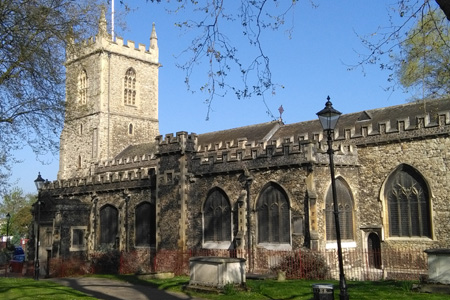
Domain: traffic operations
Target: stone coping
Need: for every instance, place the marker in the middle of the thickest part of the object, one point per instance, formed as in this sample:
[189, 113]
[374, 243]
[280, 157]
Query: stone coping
[216, 259]
[438, 251]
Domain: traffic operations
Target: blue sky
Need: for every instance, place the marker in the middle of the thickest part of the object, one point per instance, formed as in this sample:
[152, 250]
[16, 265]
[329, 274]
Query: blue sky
[311, 65]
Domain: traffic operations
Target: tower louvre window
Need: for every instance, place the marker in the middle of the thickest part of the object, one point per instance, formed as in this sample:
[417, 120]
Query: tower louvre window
[129, 93]
[82, 87]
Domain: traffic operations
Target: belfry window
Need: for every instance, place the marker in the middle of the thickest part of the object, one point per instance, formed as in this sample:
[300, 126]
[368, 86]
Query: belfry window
[273, 216]
[345, 204]
[145, 224]
[82, 87]
[109, 219]
[217, 217]
[408, 203]
[129, 93]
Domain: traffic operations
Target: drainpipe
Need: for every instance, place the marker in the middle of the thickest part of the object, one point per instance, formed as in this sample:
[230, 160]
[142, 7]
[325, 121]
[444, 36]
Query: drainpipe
[127, 199]
[248, 183]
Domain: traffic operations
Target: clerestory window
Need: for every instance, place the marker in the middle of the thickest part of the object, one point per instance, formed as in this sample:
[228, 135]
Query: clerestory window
[129, 93]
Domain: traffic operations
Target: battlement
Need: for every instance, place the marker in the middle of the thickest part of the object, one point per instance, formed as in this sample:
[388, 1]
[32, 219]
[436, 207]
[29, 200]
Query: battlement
[181, 142]
[243, 150]
[384, 126]
[124, 162]
[103, 42]
[125, 179]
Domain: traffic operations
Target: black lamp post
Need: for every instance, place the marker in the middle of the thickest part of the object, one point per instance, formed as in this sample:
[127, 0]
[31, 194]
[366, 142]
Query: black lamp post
[328, 119]
[39, 182]
[8, 216]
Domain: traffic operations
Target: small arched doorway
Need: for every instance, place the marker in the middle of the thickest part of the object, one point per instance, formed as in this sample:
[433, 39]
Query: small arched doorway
[374, 250]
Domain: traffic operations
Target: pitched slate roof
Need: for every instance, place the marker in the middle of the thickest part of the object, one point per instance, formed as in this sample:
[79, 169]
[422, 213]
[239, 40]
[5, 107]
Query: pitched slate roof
[277, 130]
[408, 111]
[257, 132]
[137, 150]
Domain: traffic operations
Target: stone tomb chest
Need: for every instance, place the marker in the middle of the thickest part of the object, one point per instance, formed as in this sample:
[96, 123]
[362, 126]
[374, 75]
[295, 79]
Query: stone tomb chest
[216, 272]
[439, 265]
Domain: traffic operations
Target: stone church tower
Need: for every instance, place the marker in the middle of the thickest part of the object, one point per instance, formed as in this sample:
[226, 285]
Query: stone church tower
[111, 98]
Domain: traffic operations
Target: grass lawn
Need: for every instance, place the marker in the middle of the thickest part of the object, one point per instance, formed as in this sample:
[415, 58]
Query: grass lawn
[26, 288]
[294, 289]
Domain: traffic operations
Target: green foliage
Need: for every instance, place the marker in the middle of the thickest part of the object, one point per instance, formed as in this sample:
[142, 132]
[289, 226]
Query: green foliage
[29, 289]
[19, 207]
[294, 289]
[229, 289]
[425, 63]
[34, 37]
[304, 264]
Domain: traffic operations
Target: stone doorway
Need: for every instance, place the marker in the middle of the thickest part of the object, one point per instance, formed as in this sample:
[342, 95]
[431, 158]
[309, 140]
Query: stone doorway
[374, 250]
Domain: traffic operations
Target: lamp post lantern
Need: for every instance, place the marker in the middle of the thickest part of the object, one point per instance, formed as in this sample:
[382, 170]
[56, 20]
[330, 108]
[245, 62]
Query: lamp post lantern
[39, 182]
[8, 217]
[328, 119]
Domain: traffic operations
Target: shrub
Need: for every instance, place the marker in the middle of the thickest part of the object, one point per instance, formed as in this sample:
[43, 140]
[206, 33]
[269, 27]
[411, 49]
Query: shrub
[304, 264]
[68, 267]
[105, 262]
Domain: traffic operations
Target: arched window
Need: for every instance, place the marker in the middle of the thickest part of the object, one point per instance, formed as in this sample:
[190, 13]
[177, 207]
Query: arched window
[345, 205]
[129, 94]
[408, 203]
[217, 217]
[273, 215]
[130, 129]
[109, 219]
[145, 224]
[82, 87]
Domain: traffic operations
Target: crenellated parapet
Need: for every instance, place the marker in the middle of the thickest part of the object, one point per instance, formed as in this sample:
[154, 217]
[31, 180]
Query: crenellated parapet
[108, 180]
[103, 42]
[182, 142]
[392, 124]
[125, 162]
[278, 153]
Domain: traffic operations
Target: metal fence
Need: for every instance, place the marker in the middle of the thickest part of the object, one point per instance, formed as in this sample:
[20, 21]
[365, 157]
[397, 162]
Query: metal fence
[306, 264]
[387, 264]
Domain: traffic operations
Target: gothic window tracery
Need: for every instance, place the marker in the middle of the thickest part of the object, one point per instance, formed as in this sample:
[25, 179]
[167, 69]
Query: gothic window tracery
[109, 219]
[129, 94]
[82, 87]
[408, 203]
[217, 217]
[345, 209]
[273, 215]
[145, 224]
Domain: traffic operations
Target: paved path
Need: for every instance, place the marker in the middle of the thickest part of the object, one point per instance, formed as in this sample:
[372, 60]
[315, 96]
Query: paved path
[107, 289]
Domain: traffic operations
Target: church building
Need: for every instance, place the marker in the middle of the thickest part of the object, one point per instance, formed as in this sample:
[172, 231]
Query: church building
[260, 189]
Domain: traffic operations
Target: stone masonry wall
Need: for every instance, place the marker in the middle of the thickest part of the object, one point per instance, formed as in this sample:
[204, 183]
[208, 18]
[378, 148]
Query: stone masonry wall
[430, 157]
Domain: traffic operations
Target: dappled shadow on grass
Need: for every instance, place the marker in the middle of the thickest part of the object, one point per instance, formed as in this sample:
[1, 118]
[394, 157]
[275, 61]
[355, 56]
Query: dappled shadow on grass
[161, 284]
[113, 287]
[26, 288]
